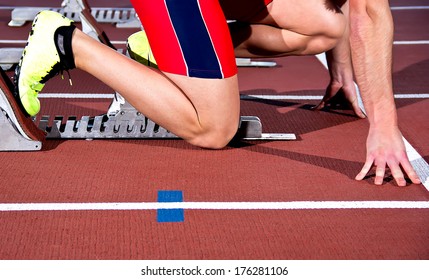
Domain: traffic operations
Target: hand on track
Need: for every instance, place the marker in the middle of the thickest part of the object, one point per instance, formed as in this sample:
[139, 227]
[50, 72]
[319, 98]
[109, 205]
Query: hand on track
[386, 149]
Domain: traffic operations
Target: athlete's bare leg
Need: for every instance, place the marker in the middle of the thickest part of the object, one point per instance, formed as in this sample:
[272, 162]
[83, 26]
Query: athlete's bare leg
[205, 112]
[289, 27]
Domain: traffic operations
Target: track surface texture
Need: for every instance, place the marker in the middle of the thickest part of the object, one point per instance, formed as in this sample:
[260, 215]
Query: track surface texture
[319, 167]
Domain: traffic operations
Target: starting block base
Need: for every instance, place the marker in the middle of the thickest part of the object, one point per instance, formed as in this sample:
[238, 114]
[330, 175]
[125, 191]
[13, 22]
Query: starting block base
[133, 125]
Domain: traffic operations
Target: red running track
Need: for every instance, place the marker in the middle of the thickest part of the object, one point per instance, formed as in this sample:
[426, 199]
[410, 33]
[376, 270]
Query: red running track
[320, 166]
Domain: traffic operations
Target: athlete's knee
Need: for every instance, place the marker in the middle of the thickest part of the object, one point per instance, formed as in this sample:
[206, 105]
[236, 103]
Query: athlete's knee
[215, 137]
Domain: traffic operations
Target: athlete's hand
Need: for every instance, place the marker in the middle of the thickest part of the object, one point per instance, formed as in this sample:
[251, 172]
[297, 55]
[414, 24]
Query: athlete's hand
[386, 149]
[347, 88]
[341, 74]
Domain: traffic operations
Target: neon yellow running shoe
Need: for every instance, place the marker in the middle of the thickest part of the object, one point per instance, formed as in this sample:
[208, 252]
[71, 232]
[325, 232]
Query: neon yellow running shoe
[47, 53]
[139, 49]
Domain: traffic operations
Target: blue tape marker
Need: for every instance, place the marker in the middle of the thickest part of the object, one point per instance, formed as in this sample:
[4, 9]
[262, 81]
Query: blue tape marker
[170, 215]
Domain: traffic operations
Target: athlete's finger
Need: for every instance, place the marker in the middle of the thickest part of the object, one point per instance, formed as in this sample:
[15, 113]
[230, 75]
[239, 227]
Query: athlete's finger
[411, 173]
[379, 173]
[357, 109]
[397, 175]
[365, 169]
[320, 106]
[351, 96]
[328, 95]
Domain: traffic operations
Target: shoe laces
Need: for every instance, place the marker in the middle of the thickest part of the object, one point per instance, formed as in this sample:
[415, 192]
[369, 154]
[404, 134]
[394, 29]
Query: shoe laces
[68, 74]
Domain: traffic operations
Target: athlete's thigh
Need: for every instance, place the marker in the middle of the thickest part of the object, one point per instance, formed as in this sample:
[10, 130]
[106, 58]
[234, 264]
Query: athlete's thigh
[191, 43]
[188, 37]
[217, 101]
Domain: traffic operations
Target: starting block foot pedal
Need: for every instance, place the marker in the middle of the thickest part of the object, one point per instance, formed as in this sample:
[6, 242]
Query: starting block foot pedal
[250, 129]
[11, 139]
[9, 57]
[247, 62]
[17, 131]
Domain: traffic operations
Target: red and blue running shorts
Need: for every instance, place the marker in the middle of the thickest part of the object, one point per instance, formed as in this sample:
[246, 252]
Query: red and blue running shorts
[191, 37]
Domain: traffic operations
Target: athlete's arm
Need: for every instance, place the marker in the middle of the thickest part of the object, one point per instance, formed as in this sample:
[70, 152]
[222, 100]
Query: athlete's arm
[371, 40]
[341, 71]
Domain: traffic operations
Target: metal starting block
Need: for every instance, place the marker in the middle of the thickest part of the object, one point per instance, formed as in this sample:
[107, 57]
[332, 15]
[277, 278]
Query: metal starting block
[123, 121]
[17, 131]
[122, 17]
[10, 137]
[120, 127]
[135, 125]
[9, 57]
[247, 62]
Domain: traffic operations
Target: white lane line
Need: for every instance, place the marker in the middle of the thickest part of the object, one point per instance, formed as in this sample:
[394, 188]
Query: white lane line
[402, 8]
[77, 95]
[419, 164]
[319, 97]
[292, 205]
[280, 97]
[243, 97]
[416, 42]
[13, 41]
[14, 7]
[412, 96]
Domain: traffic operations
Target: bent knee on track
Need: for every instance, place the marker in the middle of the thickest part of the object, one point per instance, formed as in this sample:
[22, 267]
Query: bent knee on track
[214, 137]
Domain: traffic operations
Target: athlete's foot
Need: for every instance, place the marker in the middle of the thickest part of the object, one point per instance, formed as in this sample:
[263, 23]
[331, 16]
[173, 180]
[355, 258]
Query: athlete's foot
[139, 49]
[47, 53]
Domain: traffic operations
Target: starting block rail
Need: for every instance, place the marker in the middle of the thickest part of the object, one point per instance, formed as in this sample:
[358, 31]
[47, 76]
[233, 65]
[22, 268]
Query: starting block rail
[114, 127]
[122, 17]
[123, 121]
